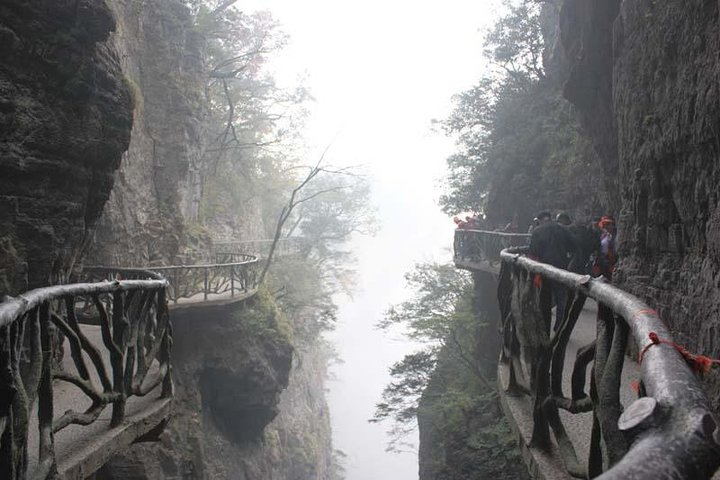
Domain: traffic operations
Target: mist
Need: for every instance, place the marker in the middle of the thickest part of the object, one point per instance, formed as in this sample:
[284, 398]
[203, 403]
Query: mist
[380, 74]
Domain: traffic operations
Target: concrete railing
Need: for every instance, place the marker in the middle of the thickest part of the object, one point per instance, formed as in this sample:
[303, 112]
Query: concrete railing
[668, 432]
[235, 274]
[126, 356]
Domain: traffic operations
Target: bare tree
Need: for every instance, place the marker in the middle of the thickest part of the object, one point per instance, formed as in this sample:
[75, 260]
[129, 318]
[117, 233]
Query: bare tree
[296, 199]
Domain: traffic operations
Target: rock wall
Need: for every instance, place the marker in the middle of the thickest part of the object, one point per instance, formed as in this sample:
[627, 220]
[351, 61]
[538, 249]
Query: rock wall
[541, 159]
[586, 36]
[65, 119]
[244, 410]
[467, 437]
[159, 183]
[664, 107]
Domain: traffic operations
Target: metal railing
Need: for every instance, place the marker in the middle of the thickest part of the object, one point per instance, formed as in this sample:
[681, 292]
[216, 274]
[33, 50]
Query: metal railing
[668, 432]
[132, 358]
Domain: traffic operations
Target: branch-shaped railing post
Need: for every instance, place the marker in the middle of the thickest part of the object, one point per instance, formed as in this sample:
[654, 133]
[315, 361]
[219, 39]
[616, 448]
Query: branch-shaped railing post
[29, 324]
[670, 432]
[199, 283]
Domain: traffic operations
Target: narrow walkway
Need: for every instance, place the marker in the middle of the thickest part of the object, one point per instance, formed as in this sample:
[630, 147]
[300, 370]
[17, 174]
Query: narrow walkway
[518, 410]
[212, 300]
[81, 450]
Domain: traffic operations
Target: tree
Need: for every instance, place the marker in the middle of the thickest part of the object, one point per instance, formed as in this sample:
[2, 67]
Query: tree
[252, 124]
[439, 316]
[519, 147]
[327, 206]
[515, 43]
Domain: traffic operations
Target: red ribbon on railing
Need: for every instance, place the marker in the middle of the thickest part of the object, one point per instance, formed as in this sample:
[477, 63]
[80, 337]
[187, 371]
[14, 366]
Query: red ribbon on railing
[699, 363]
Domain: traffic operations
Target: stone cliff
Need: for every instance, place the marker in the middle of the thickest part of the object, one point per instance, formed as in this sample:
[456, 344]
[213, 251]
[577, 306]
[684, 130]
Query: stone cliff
[243, 409]
[65, 119]
[467, 437]
[248, 405]
[158, 185]
[655, 70]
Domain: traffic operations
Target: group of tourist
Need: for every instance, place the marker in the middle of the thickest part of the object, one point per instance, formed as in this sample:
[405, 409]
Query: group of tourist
[583, 249]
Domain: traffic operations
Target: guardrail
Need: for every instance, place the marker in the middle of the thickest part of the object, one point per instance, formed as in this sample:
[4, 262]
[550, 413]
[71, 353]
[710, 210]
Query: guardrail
[234, 274]
[483, 245]
[130, 307]
[669, 432]
[285, 246]
[133, 360]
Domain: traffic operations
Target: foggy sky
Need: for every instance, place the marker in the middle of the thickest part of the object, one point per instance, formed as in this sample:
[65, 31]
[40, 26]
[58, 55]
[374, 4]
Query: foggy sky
[380, 71]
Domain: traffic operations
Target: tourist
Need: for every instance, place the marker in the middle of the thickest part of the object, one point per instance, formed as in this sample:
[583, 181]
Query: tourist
[553, 244]
[563, 219]
[607, 257]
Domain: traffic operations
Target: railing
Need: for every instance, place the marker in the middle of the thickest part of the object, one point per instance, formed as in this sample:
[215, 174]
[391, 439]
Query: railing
[485, 246]
[669, 432]
[234, 274]
[285, 246]
[126, 354]
[132, 359]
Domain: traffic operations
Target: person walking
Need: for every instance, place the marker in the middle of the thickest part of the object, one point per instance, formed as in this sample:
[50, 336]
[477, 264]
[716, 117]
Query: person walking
[552, 243]
[607, 256]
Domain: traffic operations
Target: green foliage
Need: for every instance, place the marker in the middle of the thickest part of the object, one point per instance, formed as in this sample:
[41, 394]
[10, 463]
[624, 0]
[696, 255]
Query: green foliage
[266, 319]
[450, 383]
[440, 316]
[252, 124]
[440, 303]
[519, 144]
[300, 288]
[471, 437]
[515, 42]
[400, 398]
[135, 94]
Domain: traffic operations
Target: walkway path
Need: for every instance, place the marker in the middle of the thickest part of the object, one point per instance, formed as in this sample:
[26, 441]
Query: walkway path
[79, 450]
[518, 410]
[673, 426]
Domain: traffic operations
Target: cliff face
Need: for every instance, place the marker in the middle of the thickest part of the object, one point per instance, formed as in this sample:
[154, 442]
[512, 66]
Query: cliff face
[463, 433]
[243, 409]
[158, 185]
[230, 365]
[664, 107]
[65, 119]
[541, 159]
[585, 32]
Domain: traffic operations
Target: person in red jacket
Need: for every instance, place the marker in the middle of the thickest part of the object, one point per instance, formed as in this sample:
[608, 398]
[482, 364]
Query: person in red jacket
[607, 256]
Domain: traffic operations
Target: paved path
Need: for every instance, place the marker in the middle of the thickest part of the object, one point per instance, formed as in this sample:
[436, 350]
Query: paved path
[212, 300]
[81, 450]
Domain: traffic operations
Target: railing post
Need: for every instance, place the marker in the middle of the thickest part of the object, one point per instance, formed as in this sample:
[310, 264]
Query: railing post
[116, 358]
[46, 454]
[176, 286]
[232, 282]
[206, 283]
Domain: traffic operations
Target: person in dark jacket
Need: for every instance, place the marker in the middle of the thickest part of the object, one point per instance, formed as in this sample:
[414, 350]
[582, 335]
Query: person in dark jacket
[553, 244]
